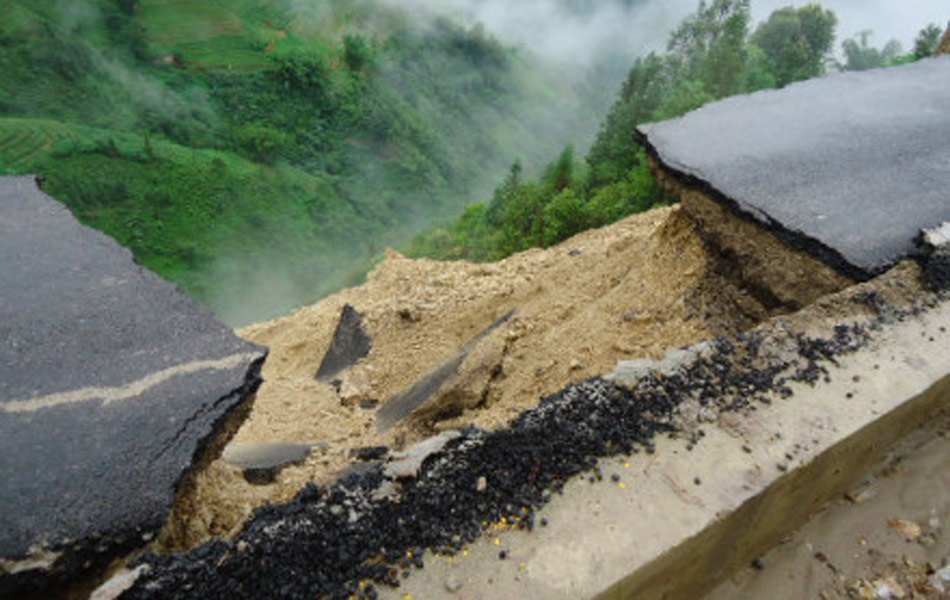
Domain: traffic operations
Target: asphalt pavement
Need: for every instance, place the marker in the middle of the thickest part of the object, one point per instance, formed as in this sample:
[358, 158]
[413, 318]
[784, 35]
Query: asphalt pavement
[848, 167]
[111, 383]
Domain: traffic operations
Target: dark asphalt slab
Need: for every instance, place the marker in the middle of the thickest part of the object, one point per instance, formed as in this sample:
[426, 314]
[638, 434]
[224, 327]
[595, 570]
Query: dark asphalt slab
[111, 381]
[848, 167]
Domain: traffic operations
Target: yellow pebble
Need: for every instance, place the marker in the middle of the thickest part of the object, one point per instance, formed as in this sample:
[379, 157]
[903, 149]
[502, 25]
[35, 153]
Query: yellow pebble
[408, 596]
[623, 485]
[497, 542]
[523, 566]
[464, 553]
[628, 465]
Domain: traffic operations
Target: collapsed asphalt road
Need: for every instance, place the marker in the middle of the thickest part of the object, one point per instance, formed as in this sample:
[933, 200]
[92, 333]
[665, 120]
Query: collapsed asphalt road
[848, 168]
[113, 385]
[364, 531]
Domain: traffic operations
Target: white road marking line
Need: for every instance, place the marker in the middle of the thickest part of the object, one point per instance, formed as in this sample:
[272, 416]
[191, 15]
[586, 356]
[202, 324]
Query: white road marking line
[124, 392]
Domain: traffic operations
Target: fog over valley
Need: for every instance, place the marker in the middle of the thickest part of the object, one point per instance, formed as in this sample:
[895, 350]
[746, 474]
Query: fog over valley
[581, 32]
[289, 142]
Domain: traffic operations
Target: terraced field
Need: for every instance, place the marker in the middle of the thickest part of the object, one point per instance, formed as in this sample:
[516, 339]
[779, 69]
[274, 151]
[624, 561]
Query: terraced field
[217, 34]
[24, 141]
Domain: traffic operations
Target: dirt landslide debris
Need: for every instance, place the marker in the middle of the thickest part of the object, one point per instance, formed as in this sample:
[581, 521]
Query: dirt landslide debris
[627, 291]
[366, 506]
[373, 526]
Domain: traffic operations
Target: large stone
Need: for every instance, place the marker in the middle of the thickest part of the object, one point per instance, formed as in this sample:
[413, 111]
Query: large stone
[848, 168]
[112, 385]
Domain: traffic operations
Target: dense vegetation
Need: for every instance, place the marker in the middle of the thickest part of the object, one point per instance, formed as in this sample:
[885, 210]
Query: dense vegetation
[260, 153]
[713, 53]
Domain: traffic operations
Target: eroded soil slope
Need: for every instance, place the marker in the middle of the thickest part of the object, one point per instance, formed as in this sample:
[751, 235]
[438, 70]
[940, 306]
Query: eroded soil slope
[630, 290]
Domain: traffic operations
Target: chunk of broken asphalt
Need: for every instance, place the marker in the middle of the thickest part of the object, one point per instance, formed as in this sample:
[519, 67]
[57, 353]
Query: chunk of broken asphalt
[803, 161]
[367, 453]
[404, 403]
[112, 384]
[261, 463]
[351, 343]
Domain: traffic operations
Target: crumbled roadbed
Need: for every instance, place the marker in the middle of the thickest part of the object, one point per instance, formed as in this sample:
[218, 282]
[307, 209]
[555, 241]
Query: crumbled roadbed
[370, 529]
[485, 341]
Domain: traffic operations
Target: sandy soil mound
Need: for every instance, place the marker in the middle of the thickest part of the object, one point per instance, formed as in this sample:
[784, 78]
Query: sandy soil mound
[630, 290]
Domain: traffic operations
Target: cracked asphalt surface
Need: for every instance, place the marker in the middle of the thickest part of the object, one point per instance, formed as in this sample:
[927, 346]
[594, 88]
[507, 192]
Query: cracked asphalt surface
[111, 382]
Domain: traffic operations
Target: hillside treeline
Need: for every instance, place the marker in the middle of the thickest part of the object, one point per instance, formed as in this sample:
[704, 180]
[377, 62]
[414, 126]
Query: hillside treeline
[712, 54]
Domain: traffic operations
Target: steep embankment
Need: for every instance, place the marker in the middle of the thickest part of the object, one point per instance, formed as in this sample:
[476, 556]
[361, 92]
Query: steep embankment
[631, 290]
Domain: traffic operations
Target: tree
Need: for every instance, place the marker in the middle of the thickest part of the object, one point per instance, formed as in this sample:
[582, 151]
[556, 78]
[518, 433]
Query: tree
[504, 195]
[712, 44]
[614, 151]
[564, 216]
[943, 46]
[759, 71]
[560, 174]
[686, 96]
[797, 42]
[860, 56]
[926, 42]
[356, 52]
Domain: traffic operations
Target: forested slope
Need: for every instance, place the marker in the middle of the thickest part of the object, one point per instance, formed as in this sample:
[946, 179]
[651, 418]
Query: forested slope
[715, 52]
[262, 152]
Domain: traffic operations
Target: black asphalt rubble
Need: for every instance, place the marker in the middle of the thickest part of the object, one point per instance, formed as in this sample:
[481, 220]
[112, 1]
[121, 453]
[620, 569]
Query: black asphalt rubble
[350, 344]
[113, 386]
[848, 168]
[373, 528]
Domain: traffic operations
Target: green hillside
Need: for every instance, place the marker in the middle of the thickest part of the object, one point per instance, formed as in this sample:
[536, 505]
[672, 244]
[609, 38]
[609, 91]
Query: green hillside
[713, 53]
[258, 154]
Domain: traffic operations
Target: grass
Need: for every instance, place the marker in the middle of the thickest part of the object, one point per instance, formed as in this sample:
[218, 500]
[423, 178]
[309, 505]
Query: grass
[208, 219]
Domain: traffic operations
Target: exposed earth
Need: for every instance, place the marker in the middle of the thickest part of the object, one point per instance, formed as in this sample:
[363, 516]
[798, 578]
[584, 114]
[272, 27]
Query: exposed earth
[372, 528]
[636, 289]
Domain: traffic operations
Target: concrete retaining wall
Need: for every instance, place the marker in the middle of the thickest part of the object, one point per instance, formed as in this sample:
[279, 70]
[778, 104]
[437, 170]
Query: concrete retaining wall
[673, 523]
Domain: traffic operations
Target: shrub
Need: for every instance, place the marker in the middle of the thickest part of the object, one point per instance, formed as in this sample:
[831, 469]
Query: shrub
[564, 216]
